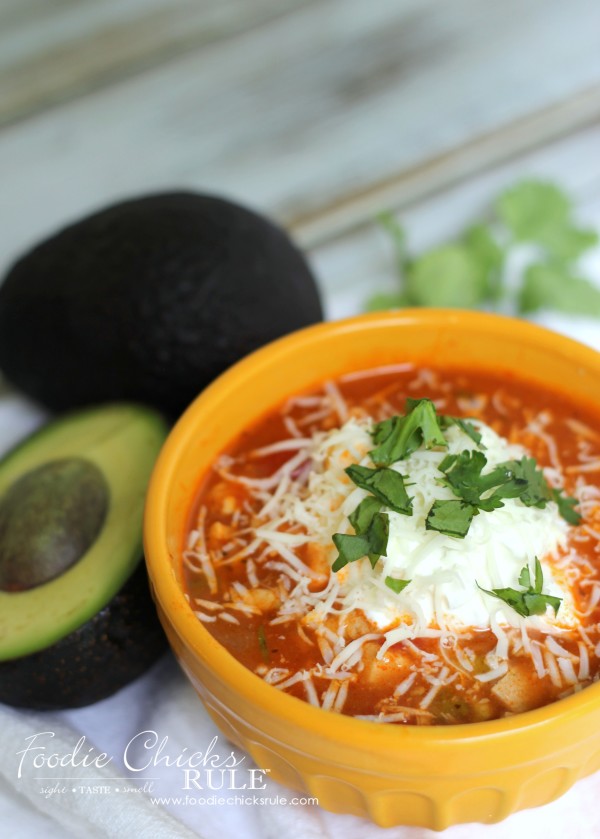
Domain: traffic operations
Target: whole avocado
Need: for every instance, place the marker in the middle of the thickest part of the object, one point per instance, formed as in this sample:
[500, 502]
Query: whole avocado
[149, 300]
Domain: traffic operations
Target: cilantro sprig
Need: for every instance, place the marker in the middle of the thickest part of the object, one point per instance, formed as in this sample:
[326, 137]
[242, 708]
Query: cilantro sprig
[465, 426]
[463, 475]
[452, 518]
[529, 601]
[478, 491]
[371, 543]
[566, 505]
[396, 585]
[400, 436]
[385, 484]
[533, 220]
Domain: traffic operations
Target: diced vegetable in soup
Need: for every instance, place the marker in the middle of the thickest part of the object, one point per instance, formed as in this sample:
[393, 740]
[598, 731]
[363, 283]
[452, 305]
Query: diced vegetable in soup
[407, 546]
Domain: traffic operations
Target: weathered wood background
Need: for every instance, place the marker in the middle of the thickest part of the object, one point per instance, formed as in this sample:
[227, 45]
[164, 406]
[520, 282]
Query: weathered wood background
[321, 112]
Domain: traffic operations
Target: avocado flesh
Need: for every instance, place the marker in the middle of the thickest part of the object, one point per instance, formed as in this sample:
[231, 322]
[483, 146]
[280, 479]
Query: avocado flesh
[123, 441]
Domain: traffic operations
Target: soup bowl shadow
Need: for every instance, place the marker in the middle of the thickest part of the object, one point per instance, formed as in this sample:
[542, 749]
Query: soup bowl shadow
[430, 776]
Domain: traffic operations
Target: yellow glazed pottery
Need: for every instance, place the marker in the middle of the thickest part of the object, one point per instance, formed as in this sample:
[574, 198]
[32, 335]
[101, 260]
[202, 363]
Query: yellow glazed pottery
[414, 775]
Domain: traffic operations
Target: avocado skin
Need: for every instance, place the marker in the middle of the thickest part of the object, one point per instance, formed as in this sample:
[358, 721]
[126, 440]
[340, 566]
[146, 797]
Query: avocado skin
[149, 300]
[94, 661]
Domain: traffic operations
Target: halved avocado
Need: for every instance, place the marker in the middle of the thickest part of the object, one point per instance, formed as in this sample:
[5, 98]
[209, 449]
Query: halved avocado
[76, 617]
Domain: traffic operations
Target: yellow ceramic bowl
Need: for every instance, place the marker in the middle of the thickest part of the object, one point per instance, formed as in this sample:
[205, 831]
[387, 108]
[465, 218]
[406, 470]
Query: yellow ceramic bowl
[428, 776]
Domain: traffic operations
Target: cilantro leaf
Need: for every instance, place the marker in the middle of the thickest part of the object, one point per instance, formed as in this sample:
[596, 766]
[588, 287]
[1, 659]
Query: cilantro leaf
[448, 276]
[467, 427]
[383, 301]
[396, 585]
[523, 479]
[463, 475]
[532, 207]
[535, 604]
[382, 430]
[484, 248]
[398, 437]
[525, 578]
[566, 243]
[565, 507]
[378, 534]
[372, 544]
[362, 517]
[452, 518]
[513, 598]
[385, 484]
[350, 549]
[540, 212]
[262, 644]
[531, 601]
[536, 492]
[553, 286]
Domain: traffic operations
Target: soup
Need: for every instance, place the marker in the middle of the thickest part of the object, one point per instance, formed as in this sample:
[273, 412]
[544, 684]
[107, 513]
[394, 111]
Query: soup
[407, 545]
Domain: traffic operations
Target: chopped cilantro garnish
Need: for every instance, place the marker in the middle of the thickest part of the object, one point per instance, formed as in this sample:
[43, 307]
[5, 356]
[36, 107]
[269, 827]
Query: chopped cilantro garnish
[452, 518]
[536, 493]
[522, 479]
[530, 601]
[378, 534]
[565, 507]
[467, 427]
[398, 437]
[475, 490]
[262, 643]
[396, 585]
[463, 475]
[372, 543]
[362, 517]
[385, 484]
[350, 549]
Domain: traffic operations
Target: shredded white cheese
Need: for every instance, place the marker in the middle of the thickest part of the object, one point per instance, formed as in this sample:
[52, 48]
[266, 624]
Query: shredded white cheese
[446, 573]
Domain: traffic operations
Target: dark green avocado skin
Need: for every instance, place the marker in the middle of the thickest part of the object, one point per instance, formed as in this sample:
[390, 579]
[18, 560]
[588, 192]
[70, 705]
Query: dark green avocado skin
[148, 301]
[116, 646]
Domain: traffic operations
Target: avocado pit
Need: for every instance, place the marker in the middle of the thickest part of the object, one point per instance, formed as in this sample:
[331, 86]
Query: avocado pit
[49, 518]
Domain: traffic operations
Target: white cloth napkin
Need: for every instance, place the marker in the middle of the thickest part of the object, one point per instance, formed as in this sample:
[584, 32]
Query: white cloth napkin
[163, 702]
[93, 815]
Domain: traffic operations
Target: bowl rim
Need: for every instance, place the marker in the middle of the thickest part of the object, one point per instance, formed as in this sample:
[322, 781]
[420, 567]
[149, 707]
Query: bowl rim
[171, 599]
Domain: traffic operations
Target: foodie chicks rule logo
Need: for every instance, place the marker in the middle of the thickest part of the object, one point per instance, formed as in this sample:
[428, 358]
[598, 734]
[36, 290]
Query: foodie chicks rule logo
[148, 759]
